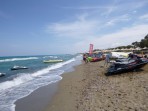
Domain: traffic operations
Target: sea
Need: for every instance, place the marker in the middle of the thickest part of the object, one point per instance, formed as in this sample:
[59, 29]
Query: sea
[17, 84]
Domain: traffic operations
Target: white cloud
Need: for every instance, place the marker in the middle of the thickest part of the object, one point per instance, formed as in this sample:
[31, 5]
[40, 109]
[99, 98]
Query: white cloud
[88, 27]
[117, 19]
[123, 37]
[78, 28]
[144, 17]
[122, 7]
[82, 27]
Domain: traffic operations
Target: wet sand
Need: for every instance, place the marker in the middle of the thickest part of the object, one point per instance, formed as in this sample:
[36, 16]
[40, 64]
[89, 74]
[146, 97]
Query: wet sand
[37, 100]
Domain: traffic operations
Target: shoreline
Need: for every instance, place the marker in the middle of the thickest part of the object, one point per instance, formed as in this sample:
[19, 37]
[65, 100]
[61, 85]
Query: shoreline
[88, 89]
[38, 99]
[68, 92]
[72, 87]
[41, 97]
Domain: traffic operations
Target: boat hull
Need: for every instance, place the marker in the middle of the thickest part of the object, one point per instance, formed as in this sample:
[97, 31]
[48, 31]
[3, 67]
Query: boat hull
[2, 74]
[18, 68]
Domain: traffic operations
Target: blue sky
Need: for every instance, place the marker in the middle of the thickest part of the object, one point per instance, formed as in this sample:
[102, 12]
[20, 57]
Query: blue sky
[38, 27]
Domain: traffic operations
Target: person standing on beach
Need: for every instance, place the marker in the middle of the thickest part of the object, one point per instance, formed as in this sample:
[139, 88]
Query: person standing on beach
[85, 58]
[107, 60]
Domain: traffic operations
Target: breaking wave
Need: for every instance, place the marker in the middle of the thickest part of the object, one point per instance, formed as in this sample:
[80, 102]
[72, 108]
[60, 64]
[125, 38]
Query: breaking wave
[18, 59]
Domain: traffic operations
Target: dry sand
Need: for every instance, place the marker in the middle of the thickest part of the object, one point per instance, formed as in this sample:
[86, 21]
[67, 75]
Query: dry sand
[88, 89]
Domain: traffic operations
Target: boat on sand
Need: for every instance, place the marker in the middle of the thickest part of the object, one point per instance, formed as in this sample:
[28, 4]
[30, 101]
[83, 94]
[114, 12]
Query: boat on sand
[126, 66]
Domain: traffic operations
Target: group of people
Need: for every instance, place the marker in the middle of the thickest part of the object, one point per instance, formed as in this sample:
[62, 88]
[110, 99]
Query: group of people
[86, 60]
[86, 57]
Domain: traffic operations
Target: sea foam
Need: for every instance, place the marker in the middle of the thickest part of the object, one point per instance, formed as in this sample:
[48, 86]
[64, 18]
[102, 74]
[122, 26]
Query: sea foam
[25, 77]
[25, 83]
[18, 59]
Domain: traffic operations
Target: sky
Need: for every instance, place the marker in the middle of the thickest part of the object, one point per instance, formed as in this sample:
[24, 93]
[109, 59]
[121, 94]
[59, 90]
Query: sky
[45, 27]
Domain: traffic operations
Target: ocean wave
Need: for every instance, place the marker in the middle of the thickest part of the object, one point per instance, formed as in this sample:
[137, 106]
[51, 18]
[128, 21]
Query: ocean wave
[55, 66]
[25, 83]
[16, 81]
[25, 77]
[18, 59]
[14, 93]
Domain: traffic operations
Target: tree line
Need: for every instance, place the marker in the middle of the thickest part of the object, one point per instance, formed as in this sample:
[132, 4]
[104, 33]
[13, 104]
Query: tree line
[143, 43]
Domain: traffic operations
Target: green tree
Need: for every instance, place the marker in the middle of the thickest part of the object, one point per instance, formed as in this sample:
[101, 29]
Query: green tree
[146, 37]
[136, 44]
[143, 43]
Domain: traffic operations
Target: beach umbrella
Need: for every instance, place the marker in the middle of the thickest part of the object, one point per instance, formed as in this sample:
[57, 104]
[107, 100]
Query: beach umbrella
[138, 48]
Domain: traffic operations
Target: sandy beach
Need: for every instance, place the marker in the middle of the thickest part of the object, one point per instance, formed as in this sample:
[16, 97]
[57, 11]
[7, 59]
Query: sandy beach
[88, 89]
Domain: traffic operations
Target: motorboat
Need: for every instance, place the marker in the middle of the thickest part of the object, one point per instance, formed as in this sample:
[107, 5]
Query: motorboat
[18, 67]
[53, 61]
[2, 74]
[125, 66]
